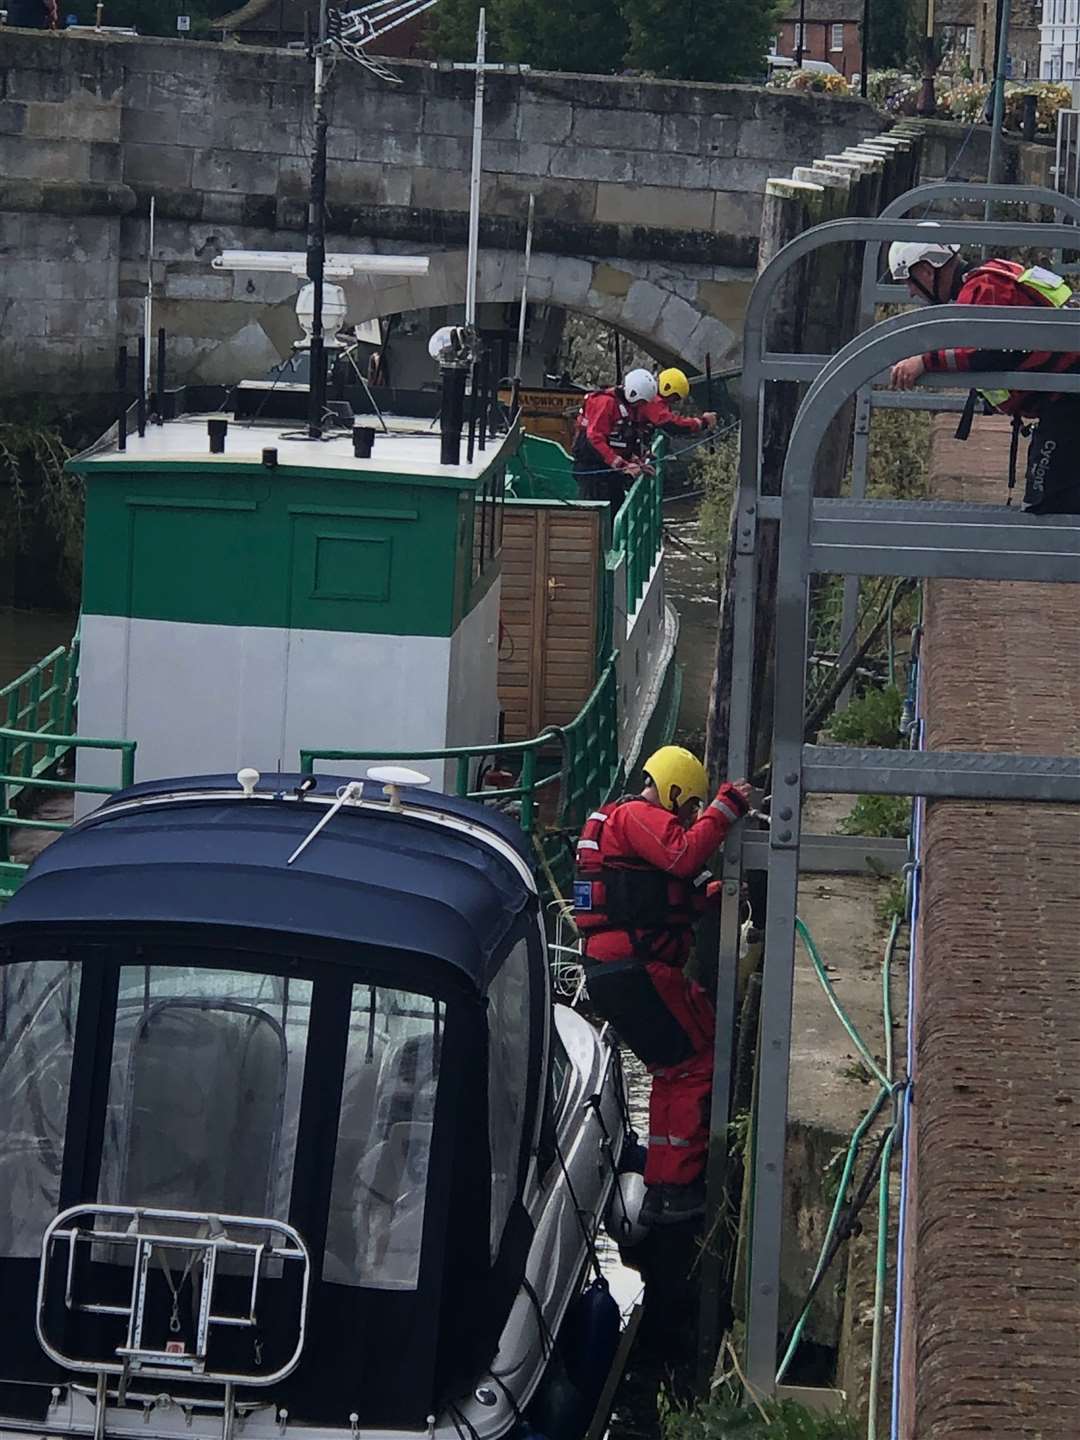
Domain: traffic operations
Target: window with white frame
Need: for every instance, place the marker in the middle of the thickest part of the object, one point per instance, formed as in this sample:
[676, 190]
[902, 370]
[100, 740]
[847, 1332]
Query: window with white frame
[836, 40]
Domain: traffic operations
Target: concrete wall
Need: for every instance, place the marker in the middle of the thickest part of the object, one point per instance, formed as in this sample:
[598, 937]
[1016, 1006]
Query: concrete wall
[640, 173]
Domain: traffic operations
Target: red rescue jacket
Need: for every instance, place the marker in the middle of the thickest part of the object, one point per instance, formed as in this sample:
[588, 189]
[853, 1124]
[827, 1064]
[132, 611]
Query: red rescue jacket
[640, 884]
[996, 282]
[610, 429]
[660, 416]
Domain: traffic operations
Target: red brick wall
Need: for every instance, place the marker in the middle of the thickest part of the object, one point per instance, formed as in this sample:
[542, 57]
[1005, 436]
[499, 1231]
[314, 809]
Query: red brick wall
[818, 44]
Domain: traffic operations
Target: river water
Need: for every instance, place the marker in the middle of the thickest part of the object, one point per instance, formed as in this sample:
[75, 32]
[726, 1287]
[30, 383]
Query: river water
[26, 636]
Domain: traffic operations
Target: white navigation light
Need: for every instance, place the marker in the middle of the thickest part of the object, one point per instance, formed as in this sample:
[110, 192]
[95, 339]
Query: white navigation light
[334, 310]
[453, 345]
[441, 343]
[337, 267]
[392, 777]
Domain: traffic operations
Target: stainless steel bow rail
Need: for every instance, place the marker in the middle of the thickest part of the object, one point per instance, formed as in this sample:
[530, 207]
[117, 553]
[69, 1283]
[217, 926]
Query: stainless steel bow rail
[854, 536]
[247, 1243]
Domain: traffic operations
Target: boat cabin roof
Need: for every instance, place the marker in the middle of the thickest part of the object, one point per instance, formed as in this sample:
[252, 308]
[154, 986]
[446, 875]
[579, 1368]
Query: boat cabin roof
[195, 851]
[404, 443]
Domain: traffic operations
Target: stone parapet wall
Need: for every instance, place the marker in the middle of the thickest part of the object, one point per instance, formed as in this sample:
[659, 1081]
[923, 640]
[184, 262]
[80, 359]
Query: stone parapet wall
[626, 170]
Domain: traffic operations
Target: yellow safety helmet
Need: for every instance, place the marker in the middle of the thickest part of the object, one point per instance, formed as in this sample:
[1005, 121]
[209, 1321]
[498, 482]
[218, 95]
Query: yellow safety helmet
[673, 382]
[673, 767]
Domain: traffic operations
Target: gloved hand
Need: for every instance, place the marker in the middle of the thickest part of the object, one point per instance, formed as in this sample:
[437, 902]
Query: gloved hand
[734, 797]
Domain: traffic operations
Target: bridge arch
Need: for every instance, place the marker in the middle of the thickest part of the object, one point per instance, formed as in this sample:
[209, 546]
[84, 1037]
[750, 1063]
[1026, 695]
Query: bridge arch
[685, 314]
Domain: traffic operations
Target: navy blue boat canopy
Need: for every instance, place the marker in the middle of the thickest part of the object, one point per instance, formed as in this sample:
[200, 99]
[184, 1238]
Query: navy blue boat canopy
[370, 877]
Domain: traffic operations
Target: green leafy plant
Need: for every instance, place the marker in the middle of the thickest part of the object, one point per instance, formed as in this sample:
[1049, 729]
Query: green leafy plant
[35, 488]
[872, 718]
[716, 40]
[880, 816]
[738, 1131]
[892, 905]
[899, 454]
[714, 469]
[724, 1417]
[544, 36]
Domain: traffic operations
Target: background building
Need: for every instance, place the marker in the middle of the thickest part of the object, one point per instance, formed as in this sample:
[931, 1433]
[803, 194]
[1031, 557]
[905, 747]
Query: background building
[1025, 23]
[1059, 41]
[832, 32]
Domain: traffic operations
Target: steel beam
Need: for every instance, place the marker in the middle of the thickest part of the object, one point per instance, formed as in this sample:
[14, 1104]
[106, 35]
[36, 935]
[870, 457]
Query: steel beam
[941, 774]
[939, 540]
[832, 854]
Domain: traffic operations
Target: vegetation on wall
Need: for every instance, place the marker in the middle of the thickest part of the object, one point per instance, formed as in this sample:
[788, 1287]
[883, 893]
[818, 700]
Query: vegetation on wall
[895, 32]
[712, 40]
[723, 1416]
[41, 504]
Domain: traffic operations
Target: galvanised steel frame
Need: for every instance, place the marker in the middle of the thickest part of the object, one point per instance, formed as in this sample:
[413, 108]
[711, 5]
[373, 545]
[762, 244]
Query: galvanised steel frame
[873, 293]
[854, 537]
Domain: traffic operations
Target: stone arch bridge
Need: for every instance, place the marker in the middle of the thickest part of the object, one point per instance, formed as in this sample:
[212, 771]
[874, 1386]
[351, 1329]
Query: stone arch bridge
[648, 196]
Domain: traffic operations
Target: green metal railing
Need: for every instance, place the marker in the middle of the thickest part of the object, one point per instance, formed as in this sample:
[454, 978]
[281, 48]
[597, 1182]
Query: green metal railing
[39, 702]
[14, 778]
[638, 532]
[579, 761]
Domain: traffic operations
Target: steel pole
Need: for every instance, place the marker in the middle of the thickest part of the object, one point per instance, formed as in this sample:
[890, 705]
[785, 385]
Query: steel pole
[474, 181]
[524, 290]
[1002, 57]
[801, 38]
[864, 69]
[316, 256]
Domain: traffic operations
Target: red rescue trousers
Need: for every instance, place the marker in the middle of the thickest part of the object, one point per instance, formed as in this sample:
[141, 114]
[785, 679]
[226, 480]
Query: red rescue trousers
[679, 1102]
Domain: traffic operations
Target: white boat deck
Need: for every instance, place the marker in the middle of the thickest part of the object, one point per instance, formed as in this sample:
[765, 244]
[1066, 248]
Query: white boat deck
[411, 447]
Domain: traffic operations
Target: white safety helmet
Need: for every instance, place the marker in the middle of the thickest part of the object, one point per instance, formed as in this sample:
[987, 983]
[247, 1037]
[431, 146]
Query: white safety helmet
[903, 254]
[623, 1218]
[639, 385]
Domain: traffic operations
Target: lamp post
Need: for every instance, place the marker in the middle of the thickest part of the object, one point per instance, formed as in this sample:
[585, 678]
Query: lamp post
[927, 99]
[800, 38]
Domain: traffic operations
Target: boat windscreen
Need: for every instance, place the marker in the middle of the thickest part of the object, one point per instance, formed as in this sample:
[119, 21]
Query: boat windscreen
[204, 1090]
[38, 1005]
[384, 1139]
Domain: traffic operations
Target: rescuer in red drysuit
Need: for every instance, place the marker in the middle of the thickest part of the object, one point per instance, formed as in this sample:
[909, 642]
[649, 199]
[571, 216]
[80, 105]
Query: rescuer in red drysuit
[640, 888]
[616, 426]
[935, 273]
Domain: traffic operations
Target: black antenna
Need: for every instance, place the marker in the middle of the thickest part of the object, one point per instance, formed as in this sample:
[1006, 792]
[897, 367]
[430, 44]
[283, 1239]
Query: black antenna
[485, 364]
[474, 405]
[140, 394]
[159, 398]
[121, 398]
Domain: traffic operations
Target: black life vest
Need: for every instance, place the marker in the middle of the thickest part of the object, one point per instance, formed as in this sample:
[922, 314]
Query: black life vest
[624, 892]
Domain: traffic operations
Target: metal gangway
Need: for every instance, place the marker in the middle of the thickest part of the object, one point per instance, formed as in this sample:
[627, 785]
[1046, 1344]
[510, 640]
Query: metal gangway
[853, 537]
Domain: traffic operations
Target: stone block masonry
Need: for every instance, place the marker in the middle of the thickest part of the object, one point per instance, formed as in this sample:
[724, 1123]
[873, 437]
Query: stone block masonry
[655, 178]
